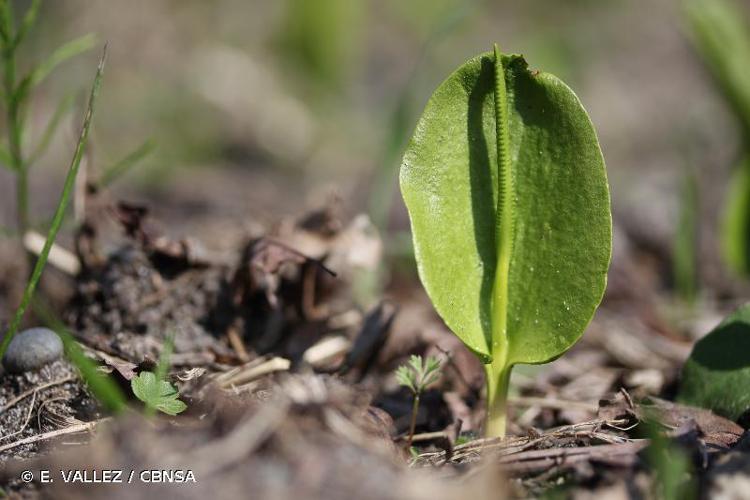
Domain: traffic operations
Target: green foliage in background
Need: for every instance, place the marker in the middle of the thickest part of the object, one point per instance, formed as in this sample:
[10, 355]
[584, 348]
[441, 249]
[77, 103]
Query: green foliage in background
[671, 465]
[323, 37]
[685, 247]
[717, 373]
[57, 219]
[507, 194]
[721, 35]
[16, 93]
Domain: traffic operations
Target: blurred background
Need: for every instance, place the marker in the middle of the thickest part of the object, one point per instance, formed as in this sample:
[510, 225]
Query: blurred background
[245, 111]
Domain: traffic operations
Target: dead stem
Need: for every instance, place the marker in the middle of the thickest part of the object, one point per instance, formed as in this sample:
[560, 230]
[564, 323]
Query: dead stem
[34, 390]
[73, 429]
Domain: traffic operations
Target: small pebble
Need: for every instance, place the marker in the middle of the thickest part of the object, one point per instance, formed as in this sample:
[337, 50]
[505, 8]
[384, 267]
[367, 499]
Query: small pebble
[32, 349]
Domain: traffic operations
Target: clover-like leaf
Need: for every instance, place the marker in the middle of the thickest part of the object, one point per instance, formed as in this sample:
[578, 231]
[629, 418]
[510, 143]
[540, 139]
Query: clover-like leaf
[171, 406]
[159, 394]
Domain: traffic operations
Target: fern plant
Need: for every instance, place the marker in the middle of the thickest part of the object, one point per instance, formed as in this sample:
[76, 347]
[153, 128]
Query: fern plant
[509, 205]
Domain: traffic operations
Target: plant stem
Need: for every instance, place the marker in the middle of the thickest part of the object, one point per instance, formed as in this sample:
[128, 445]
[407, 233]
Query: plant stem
[413, 424]
[13, 117]
[498, 372]
[498, 378]
[22, 201]
[57, 219]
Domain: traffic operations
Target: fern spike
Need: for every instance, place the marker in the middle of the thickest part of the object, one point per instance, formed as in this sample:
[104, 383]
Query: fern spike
[498, 372]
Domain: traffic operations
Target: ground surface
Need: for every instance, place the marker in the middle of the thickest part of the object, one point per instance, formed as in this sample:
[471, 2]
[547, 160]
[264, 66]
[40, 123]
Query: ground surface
[287, 370]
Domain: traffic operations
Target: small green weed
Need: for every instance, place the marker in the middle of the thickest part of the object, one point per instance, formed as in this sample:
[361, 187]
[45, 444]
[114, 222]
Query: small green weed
[417, 375]
[157, 394]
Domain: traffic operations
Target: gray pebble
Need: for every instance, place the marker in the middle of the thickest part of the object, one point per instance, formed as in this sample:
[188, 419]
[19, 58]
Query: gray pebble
[32, 349]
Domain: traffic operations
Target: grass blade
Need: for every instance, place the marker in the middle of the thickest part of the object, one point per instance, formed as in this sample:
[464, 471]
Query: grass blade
[6, 22]
[28, 21]
[61, 208]
[60, 55]
[118, 169]
[49, 131]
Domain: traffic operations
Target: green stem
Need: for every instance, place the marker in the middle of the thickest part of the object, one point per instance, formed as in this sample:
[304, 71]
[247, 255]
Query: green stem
[498, 379]
[498, 372]
[22, 201]
[57, 219]
[13, 117]
[413, 424]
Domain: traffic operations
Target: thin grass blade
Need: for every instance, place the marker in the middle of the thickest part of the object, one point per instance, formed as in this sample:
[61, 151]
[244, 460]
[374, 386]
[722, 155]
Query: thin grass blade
[57, 219]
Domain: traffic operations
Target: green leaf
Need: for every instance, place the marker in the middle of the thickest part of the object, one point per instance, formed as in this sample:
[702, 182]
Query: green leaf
[60, 55]
[717, 373]
[735, 230]
[563, 226]
[721, 34]
[507, 194]
[145, 387]
[6, 24]
[155, 393]
[115, 171]
[28, 21]
[171, 407]
[49, 131]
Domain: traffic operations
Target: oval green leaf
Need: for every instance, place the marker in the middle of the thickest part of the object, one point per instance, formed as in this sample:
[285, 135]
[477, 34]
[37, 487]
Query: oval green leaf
[717, 373]
[561, 241]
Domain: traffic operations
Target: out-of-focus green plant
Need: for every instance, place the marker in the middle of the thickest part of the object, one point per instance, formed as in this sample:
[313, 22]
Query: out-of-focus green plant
[57, 219]
[323, 37]
[717, 373]
[103, 388]
[16, 93]
[671, 467]
[116, 170]
[685, 247]
[721, 35]
[445, 16]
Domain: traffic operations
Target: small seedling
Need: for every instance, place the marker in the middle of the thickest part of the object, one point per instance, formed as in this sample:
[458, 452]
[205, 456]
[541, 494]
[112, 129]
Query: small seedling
[157, 394]
[155, 390]
[417, 375]
[509, 205]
